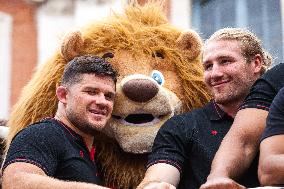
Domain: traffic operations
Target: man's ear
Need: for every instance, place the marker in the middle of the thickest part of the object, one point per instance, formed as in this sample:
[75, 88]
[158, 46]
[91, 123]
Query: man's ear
[61, 93]
[257, 62]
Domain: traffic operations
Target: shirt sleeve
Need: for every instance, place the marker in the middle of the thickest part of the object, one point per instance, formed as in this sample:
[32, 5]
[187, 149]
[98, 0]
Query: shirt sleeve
[171, 144]
[38, 144]
[265, 89]
[275, 119]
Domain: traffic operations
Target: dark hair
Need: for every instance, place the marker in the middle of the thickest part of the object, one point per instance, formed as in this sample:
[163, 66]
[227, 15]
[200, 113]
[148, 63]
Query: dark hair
[87, 64]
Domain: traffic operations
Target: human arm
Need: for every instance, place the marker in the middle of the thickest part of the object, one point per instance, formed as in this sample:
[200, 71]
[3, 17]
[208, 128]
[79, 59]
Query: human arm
[242, 142]
[21, 175]
[168, 155]
[271, 162]
[160, 175]
[237, 149]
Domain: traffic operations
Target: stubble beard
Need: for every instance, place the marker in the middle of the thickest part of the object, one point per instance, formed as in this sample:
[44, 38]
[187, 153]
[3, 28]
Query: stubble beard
[236, 92]
[81, 124]
[230, 97]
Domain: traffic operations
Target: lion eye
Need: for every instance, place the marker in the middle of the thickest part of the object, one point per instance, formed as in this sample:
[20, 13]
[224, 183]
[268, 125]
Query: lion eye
[158, 54]
[158, 77]
[108, 55]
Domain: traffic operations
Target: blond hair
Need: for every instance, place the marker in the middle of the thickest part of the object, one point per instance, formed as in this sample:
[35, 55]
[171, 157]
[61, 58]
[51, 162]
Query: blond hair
[250, 44]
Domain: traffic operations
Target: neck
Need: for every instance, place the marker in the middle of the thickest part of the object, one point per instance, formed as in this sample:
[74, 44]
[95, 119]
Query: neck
[88, 139]
[231, 108]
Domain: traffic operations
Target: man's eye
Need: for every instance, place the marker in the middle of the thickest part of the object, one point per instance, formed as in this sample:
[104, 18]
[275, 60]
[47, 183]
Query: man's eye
[109, 96]
[225, 61]
[207, 67]
[91, 92]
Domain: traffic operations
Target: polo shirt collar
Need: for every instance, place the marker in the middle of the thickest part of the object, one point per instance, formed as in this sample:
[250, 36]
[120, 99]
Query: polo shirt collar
[75, 135]
[217, 112]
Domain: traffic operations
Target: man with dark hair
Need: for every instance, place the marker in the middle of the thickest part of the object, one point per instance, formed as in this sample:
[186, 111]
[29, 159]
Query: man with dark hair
[233, 59]
[58, 152]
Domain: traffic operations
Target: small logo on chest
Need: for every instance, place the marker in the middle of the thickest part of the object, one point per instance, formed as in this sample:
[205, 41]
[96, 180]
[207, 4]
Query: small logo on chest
[81, 153]
[214, 132]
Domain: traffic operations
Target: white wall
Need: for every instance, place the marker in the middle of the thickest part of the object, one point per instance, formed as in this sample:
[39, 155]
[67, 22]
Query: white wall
[5, 63]
[58, 16]
[181, 13]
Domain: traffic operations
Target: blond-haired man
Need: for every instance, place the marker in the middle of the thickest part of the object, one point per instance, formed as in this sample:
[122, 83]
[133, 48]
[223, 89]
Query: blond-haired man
[233, 59]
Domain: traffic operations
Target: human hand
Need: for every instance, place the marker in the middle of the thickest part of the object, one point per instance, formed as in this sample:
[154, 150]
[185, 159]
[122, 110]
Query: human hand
[221, 183]
[157, 185]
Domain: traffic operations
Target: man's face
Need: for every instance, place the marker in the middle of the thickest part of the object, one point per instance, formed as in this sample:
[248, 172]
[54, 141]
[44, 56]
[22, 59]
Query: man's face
[227, 74]
[89, 103]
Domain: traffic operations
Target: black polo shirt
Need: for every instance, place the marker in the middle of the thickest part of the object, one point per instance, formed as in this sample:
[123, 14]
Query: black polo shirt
[56, 149]
[189, 143]
[265, 89]
[275, 119]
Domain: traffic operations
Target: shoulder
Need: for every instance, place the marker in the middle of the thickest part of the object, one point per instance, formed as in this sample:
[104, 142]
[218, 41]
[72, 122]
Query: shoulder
[275, 76]
[277, 106]
[265, 89]
[45, 126]
[277, 69]
[188, 119]
[279, 98]
[185, 117]
[45, 129]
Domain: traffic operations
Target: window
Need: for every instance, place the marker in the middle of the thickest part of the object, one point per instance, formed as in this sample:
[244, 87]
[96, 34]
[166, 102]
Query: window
[260, 16]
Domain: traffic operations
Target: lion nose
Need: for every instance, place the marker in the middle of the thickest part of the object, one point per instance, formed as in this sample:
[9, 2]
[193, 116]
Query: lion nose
[140, 90]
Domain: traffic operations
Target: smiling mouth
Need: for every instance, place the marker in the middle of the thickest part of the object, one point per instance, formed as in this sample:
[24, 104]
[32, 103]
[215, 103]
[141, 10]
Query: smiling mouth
[97, 112]
[216, 84]
[138, 118]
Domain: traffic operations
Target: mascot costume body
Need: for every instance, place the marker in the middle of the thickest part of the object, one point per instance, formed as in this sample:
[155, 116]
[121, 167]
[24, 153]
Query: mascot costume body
[160, 75]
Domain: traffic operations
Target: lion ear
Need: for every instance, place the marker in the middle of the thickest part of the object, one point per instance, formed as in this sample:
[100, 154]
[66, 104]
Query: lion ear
[191, 43]
[71, 45]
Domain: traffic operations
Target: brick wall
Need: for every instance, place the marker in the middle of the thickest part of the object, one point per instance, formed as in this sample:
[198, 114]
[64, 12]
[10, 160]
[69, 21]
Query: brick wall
[24, 44]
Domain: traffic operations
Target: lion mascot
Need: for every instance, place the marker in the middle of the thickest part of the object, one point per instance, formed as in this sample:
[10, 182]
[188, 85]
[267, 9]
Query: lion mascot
[160, 75]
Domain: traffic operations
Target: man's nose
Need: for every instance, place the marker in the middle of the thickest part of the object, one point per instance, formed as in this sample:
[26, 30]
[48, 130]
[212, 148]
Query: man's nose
[216, 71]
[101, 99]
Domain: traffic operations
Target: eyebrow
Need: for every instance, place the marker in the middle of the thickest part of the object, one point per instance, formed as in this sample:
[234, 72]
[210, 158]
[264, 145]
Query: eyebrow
[206, 62]
[95, 88]
[222, 57]
[219, 57]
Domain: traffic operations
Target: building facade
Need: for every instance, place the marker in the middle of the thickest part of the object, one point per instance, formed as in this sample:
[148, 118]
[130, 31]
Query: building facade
[30, 30]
